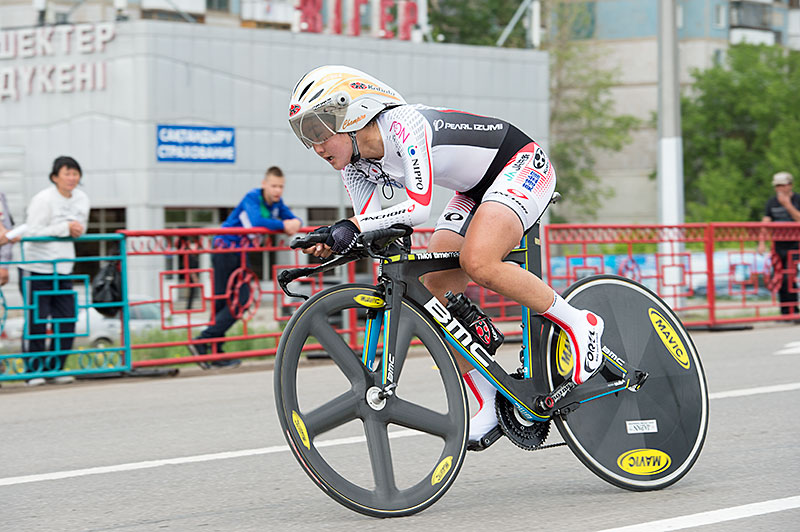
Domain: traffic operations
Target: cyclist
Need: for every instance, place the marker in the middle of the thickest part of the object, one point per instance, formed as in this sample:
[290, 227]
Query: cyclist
[502, 180]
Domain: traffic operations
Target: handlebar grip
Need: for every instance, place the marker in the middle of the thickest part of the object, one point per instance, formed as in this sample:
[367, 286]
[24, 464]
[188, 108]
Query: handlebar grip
[309, 240]
[396, 231]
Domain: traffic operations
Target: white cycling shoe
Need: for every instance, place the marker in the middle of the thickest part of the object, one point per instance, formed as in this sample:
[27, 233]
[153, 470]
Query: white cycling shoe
[588, 357]
[585, 331]
[485, 419]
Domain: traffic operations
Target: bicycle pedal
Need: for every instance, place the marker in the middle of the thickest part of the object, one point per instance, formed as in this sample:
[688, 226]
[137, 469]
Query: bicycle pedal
[486, 440]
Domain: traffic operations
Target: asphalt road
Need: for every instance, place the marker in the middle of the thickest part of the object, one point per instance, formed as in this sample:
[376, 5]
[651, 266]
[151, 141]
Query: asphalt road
[203, 451]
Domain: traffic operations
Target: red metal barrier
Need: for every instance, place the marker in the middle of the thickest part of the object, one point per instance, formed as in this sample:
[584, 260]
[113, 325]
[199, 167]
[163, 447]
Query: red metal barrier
[711, 274]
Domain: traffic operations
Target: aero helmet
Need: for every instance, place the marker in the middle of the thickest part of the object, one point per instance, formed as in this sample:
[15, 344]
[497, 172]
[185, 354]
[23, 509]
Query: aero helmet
[336, 99]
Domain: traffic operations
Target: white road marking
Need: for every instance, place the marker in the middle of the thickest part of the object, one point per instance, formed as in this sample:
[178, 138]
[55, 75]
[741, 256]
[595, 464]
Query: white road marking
[792, 348]
[716, 516]
[149, 464]
[756, 391]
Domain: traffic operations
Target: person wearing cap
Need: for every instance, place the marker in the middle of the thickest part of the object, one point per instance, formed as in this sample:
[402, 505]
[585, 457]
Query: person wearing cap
[784, 206]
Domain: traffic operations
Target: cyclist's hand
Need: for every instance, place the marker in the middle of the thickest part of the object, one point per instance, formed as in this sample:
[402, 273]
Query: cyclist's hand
[342, 237]
[318, 249]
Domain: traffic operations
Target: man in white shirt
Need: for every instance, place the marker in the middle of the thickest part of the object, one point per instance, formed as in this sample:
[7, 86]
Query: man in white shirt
[58, 211]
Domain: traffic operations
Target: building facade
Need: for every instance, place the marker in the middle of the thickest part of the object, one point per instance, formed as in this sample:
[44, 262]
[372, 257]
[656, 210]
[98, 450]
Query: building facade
[626, 33]
[173, 122]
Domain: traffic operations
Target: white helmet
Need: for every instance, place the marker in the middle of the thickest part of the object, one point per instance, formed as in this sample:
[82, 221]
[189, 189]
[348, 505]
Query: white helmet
[336, 99]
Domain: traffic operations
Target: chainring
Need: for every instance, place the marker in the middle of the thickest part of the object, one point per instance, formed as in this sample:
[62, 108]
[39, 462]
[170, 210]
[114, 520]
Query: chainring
[528, 435]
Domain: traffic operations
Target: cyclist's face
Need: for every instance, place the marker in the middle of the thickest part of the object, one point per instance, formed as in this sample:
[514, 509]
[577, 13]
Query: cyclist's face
[337, 150]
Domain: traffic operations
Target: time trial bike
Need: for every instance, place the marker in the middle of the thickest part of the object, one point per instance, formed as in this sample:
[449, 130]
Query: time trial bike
[639, 423]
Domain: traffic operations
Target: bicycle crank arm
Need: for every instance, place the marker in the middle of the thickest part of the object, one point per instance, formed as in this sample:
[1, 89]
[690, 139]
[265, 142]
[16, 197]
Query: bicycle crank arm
[568, 396]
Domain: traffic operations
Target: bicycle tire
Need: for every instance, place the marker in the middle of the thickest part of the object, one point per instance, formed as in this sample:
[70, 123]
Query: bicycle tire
[643, 440]
[382, 495]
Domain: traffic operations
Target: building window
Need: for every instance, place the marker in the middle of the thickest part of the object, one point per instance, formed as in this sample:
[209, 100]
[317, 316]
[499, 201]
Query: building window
[719, 16]
[751, 15]
[325, 215]
[218, 5]
[176, 218]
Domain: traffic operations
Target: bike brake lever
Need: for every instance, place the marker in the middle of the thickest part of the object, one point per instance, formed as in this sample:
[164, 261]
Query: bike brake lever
[287, 276]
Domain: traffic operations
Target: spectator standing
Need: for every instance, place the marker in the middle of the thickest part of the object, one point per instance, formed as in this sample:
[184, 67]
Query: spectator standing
[58, 211]
[261, 207]
[784, 206]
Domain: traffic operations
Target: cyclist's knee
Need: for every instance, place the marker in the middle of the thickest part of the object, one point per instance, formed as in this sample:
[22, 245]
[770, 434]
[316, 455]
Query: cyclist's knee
[478, 268]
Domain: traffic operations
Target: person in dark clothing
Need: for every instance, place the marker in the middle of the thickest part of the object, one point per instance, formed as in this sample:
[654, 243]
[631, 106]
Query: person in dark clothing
[261, 207]
[784, 206]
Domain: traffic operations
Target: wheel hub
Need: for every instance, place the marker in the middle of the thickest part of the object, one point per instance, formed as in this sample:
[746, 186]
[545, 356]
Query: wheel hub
[374, 399]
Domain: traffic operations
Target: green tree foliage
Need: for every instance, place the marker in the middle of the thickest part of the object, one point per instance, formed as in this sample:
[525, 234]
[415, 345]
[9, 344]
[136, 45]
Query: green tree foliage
[583, 121]
[741, 124]
[478, 22]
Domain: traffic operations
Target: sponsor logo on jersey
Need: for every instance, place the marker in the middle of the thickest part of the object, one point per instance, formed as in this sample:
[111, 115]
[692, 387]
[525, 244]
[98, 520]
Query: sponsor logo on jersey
[669, 338]
[517, 193]
[418, 183]
[512, 198]
[540, 161]
[527, 177]
[520, 162]
[386, 215]
[358, 85]
[530, 182]
[398, 129]
[356, 120]
[440, 124]
[412, 150]
[293, 110]
[441, 470]
[453, 217]
[644, 462]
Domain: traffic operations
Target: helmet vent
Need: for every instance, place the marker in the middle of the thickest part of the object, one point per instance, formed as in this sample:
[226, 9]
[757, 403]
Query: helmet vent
[315, 96]
[305, 90]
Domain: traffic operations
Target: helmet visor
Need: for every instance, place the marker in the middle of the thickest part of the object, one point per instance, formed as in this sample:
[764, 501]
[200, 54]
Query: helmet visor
[315, 127]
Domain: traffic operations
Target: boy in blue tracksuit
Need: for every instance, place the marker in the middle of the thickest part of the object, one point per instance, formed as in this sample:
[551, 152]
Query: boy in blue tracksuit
[261, 207]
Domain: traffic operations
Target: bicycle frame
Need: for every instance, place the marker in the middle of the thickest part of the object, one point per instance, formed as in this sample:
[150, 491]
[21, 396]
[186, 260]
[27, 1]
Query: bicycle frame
[399, 278]
[410, 267]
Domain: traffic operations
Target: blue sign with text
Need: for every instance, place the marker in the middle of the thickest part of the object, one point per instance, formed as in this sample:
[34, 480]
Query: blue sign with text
[196, 144]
